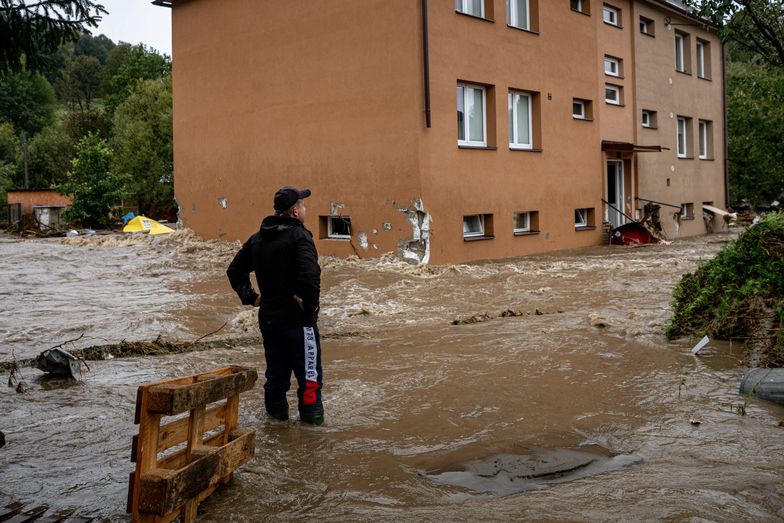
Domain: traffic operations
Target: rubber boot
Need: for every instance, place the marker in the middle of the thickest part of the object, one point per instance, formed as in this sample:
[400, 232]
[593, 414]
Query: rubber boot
[312, 414]
[278, 409]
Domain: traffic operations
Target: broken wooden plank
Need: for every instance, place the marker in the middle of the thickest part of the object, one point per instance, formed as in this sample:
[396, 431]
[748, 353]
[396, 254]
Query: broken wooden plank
[175, 399]
[162, 491]
[9, 511]
[176, 432]
[29, 515]
[57, 517]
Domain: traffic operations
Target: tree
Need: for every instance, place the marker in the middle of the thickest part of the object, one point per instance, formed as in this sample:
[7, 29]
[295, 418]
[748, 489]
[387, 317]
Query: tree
[755, 126]
[81, 81]
[754, 25]
[50, 155]
[143, 142]
[27, 101]
[9, 156]
[128, 65]
[29, 33]
[96, 191]
[97, 46]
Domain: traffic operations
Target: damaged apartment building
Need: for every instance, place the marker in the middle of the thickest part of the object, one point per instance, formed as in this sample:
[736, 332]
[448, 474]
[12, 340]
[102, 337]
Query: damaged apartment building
[447, 130]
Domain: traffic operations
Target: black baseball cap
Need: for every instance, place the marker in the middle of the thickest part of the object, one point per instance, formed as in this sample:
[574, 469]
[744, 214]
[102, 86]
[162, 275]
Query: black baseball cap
[287, 196]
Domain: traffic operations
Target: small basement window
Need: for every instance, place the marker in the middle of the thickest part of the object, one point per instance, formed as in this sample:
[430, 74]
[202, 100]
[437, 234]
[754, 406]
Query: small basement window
[526, 222]
[687, 211]
[584, 218]
[335, 227]
[477, 226]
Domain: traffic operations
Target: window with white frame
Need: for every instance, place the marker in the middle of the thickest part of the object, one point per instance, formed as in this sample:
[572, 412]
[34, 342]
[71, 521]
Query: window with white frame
[612, 66]
[581, 6]
[471, 123]
[687, 211]
[335, 227]
[578, 109]
[518, 13]
[526, 222]
[683, 146]
[647, 26]
[682, 57]
[700, 59]
[581, 217]
[706, 141]
[648, 119]
[611, 15]
[612, 94]
[520, 124]
[471, 7]
[473, 226]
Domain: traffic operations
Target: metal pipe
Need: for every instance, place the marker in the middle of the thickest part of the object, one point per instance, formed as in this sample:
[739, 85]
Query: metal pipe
[426, 60]
[660, 203]
[620, 211]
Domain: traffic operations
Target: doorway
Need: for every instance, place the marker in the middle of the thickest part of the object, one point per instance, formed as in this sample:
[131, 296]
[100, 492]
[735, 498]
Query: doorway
[615, 193]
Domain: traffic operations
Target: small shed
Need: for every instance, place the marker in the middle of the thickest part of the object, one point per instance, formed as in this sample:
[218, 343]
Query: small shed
[45, 204]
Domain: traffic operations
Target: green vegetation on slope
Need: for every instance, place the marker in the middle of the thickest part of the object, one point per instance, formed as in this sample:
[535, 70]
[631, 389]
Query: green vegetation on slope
[739, 293]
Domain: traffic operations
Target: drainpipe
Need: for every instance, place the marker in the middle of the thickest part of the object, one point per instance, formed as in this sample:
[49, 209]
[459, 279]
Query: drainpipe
[726, 134]
[426, 61]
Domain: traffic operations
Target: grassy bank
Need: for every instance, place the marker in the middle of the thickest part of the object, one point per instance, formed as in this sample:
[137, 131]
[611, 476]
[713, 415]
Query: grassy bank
[739, 294]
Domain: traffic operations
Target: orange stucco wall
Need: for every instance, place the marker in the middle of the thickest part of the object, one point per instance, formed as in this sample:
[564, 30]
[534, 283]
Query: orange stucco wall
[328, 94]
[43, 198]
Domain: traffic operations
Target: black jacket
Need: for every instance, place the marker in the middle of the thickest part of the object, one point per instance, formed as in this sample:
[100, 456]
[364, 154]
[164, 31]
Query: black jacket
[285, 260]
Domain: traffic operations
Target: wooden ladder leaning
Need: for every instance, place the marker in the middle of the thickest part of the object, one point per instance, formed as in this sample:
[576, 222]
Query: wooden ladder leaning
[163, 488]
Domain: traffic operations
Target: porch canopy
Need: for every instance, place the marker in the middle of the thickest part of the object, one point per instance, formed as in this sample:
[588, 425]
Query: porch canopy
[626, 147]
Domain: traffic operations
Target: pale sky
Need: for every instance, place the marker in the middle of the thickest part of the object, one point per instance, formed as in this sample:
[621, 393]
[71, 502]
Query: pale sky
[136, 21]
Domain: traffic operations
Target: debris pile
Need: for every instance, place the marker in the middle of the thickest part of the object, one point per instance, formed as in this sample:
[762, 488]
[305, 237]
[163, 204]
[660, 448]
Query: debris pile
[739, 294]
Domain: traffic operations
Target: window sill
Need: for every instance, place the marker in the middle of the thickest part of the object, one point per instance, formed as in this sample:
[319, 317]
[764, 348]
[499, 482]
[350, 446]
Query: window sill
[584, 227]
[530, 31]
[610, 75]
[614, 104]
[708, 159]
[525, 149]
[685, 157]
[469, 15]
[336, 239]
[649, 127]
[581, 12]
[687, 218]
[648, 34]
[706, 78]
[612, 24]
[477, 238]
[687, 73]
[582, 118]
[480, 147]
[526, 233]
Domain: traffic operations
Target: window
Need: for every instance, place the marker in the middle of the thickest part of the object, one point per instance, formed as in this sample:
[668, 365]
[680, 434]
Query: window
[647, 27]
[581, 109]
[682, 53]
[703, 59]
[526, 222]
[612, 66]
[687, 211]
[583, 218]
[612, 94]
[581, 6]
[518, 14]
[611, 15]
[471, 124]
[520, 127]
[682, 137]
[649, 119]
[705, 132]
[335, 227]
[476, 226]
[471, 7]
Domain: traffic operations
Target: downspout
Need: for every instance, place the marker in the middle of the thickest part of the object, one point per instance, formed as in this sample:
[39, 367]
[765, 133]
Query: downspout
[726, 134]
[426, 62]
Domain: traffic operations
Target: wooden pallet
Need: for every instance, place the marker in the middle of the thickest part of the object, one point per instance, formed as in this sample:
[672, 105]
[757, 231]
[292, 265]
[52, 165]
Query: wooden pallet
[163, 488]
[12, 513]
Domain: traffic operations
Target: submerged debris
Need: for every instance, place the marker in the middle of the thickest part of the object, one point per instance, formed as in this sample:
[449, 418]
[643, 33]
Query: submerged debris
[508, 313]
[59, 362]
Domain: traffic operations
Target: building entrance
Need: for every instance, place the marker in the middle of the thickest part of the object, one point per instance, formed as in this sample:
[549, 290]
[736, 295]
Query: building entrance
[615, 192]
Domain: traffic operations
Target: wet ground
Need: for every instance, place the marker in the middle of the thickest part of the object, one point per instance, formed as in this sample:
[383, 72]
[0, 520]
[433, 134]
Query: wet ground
[573, 407]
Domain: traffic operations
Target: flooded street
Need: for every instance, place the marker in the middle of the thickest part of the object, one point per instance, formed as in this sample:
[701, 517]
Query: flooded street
[554, 360]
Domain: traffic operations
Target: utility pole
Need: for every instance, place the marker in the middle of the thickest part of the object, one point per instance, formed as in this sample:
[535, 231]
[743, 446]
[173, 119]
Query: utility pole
[26, 158]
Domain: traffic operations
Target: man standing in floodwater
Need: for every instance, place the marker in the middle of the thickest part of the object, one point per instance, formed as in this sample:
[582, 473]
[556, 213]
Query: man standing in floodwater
[284, 258]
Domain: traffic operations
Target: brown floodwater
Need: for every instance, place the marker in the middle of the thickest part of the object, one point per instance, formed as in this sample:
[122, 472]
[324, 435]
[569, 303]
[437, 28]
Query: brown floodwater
[575, 407]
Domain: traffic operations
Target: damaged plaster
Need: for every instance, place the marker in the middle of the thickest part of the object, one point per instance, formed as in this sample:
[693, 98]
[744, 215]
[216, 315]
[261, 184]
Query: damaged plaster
[363, 240]
[223, 202]
[416, 250]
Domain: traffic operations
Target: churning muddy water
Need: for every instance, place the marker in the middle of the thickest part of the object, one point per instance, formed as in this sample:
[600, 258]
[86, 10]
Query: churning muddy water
[554, 396]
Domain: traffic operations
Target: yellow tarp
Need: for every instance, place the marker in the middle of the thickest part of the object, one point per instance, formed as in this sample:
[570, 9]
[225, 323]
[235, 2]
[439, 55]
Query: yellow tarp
[144, 224]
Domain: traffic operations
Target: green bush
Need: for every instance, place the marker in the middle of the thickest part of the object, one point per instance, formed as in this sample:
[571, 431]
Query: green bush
[737, 292]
